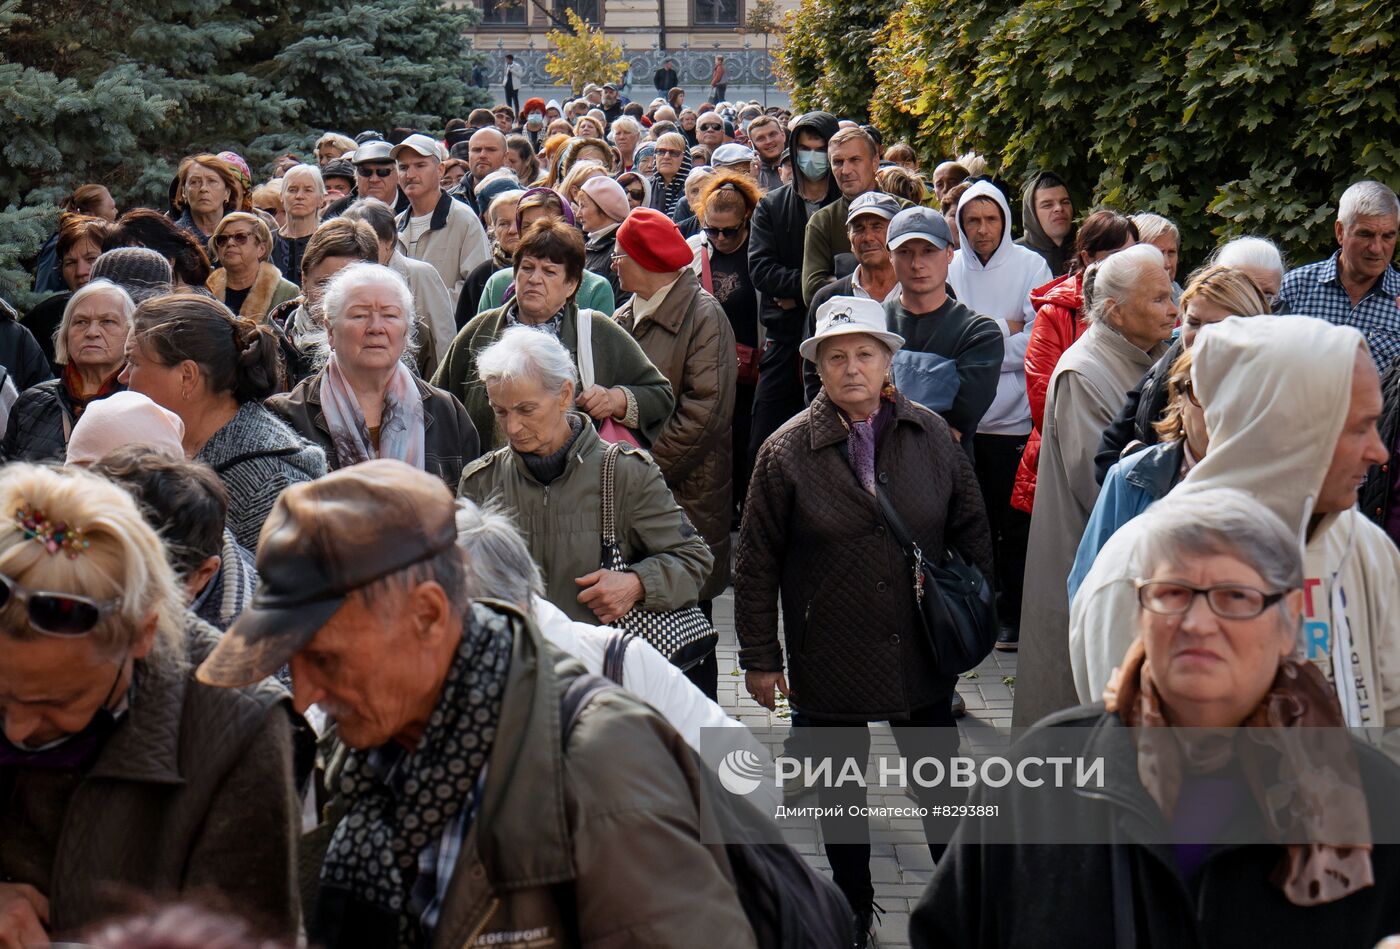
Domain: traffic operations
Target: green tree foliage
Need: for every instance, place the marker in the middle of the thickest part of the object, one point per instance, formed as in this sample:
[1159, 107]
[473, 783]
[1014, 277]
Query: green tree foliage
[826, 58]
[1228, 118]
[118, 92]
[582, 56]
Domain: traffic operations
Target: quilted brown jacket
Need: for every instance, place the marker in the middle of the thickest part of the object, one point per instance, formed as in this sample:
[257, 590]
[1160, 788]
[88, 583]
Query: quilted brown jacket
[815, 539]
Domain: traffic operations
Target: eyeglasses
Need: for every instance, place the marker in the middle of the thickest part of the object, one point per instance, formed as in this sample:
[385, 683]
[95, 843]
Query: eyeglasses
[636, 195]
[56, 614]
[1226, 600]
[711, 128]
[615, 257]
[668, 153]
[725, 232]
[379, 172]
[232, 237]
[1188, 390]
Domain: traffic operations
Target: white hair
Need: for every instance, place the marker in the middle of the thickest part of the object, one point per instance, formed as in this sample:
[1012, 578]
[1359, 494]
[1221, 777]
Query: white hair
[524, 352]
[1152, 226]
[363, 274]
[1258, 253]
[93, 288]
[497, 559]
[1114, 277]
[303, 171]
[1367, 199]
[626, 122]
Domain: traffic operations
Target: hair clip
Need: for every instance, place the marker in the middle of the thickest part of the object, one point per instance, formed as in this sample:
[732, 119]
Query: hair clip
[54, 537]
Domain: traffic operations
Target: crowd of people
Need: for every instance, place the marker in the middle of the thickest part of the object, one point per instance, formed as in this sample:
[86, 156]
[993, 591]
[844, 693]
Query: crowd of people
[327, 489]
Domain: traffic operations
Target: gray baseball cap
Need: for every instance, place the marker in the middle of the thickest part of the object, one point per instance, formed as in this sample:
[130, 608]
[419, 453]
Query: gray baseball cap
[919, 224]
[873, 202]
[374, 150]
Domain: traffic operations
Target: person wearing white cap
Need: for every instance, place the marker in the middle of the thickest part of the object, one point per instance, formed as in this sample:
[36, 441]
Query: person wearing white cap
[436, 228]
[733, 157]
[814, 540]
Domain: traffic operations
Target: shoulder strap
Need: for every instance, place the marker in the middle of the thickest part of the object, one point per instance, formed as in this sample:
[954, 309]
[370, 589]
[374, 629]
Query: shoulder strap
[579, 693]
[609, 491]
[706, 280]
[614, 655]
[236, 460]
[585, 348]
[901, 532]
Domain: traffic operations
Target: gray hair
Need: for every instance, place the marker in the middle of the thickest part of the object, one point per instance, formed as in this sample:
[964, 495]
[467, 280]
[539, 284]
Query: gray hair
[498, 561]
[1225, 521]
[1366, 199]
[378, 215]
[501, 200]
[92, 288]
[700, 173]
[1114, 277]
[1258, 253]
[303, 171]
[364, 274]
[524, 352]
[1152, 226]
[627, 122]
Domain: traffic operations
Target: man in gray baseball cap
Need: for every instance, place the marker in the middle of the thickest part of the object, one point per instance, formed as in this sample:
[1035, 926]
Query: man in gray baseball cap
[376, 176]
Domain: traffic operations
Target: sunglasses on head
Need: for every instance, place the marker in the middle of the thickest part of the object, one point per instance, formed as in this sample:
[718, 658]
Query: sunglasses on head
[56, 614]
[726, 232]
[379, 172]
[232, 237]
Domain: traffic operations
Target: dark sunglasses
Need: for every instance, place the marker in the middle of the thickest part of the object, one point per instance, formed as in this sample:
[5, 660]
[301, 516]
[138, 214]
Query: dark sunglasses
[379, 172]
[56, 614]
[711, 128]
[668, 153]
[238, 237]
[726, 232]
[636, 195]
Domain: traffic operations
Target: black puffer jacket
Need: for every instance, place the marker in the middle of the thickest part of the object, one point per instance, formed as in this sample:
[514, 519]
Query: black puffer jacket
[40, 423]
[812, 535]
[776, 240]
[20, 353]
[1144, 407]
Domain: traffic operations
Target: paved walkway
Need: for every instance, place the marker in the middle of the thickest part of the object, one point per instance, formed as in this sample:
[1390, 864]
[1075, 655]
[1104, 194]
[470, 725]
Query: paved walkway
[900, 864]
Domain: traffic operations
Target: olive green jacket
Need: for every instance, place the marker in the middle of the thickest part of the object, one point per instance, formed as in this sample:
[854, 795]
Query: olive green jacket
[562, 523]
[617, 361]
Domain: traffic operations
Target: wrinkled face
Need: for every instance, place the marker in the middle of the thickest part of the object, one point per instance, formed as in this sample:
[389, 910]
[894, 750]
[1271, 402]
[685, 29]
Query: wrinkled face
[625, 138]
[942, 181]
[1359, 445]
[1147, 316]
[486, 153]
[726, 229]
[585, 127]
[239, 246]
[300, 197]
[542, 287]
[51, 687]
[590, 215]
[503, 230]
[921, 267]
[688, 119]
[609, 97]
[419, 175]
[530, 417]
[452, 175]
[668, 160]
[854, 165]
[709, 130]
[1368, 246]
[1200, 312]
[867, 235]
[1169, 244]
[1210, 670]
[97, 333]
[205, 191]
[1055, 211]
[1267, 280]
[77, 263]
[164, 385]
[982, 226]
[373, 182]
[370, 333]
[853, 370]
[693, 185]
[647, 165]
[768, 141]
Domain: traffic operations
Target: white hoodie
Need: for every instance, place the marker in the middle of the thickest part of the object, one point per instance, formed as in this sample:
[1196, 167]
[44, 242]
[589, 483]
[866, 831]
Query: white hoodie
[1276, 392]
[1001, 288]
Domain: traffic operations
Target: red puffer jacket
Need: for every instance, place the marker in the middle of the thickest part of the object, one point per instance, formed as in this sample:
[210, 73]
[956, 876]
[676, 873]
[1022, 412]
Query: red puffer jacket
[1057, 325]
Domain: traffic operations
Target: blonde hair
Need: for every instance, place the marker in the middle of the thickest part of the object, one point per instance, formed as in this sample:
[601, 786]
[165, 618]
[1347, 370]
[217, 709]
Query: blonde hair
[1171, 426]
[579, 173]
[902, 183]
[975, 164]
[124, 558]
[343, 142]
[260, 228]
[1230, 289]
[92, 288]
[1152, 226]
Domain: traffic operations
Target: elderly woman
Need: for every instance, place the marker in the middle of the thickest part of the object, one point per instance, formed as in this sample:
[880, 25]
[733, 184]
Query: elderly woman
[545, 204]
[587, 127]
[548, 477]
[672, 167]
[245, 282]
[638, 188]
[365, 403]
[578, 173]
[644, 164]
[626, 134]
[208, 190]
[1211, 295]
[303, 194]
[602, 207]
[331, 146]
[123, 776]
[213, 369]
[78, 245]
[627, 388]
[1157, 858]
[1131, 316]
[89, 344]
[1162, 234]
[1259, 259]
[814, 540]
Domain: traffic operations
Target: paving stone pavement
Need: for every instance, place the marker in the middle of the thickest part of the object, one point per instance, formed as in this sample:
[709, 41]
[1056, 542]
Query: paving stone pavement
[900, 863]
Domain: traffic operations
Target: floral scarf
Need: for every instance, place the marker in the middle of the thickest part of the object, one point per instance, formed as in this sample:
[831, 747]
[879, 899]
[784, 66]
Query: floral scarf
[1323, 800]
[401, 429]
[73, 387]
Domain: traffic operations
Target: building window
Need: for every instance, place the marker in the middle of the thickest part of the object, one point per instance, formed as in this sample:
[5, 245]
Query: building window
[715, 12]
[502, 12]
[590, 11]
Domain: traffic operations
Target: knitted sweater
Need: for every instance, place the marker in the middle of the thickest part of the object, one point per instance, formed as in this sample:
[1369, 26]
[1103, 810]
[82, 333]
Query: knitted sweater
[257, 456]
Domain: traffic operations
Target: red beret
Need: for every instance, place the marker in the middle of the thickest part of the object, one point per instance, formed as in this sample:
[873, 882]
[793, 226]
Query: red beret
[653, 241]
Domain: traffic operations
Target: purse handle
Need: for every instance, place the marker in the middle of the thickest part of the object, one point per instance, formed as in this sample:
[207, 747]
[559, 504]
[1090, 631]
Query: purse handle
[609, 489]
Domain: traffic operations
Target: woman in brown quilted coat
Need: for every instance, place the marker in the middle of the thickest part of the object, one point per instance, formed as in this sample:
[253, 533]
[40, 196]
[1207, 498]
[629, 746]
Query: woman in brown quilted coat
[813, 536]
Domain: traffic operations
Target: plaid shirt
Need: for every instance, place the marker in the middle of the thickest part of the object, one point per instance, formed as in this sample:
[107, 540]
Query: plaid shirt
[1316, 290]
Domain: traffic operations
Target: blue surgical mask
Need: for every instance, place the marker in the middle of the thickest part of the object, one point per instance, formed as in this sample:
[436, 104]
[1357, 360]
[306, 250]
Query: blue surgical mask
[813, 164]
[534, 120]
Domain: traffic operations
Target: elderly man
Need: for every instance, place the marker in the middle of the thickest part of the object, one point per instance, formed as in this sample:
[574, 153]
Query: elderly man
[612, 103]
[709, 130]
[436, 229]
[733, 157]
[1358, 285]
[768, 139]
[376, 176]
[472, 812]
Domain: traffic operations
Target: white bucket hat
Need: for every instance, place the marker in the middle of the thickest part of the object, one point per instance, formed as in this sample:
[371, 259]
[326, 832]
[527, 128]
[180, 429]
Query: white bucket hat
[845, 316]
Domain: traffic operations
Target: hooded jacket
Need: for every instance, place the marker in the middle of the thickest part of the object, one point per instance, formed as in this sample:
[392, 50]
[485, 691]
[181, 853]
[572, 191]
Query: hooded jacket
[776, 239]
[1276, 393]
[1057, 257]
[1001, 288]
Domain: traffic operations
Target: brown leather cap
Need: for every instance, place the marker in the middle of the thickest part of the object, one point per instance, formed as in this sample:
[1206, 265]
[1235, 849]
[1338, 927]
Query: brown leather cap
[322, 540]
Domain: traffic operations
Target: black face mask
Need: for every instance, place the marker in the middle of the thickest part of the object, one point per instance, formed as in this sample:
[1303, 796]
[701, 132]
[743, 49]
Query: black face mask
[77, 750]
